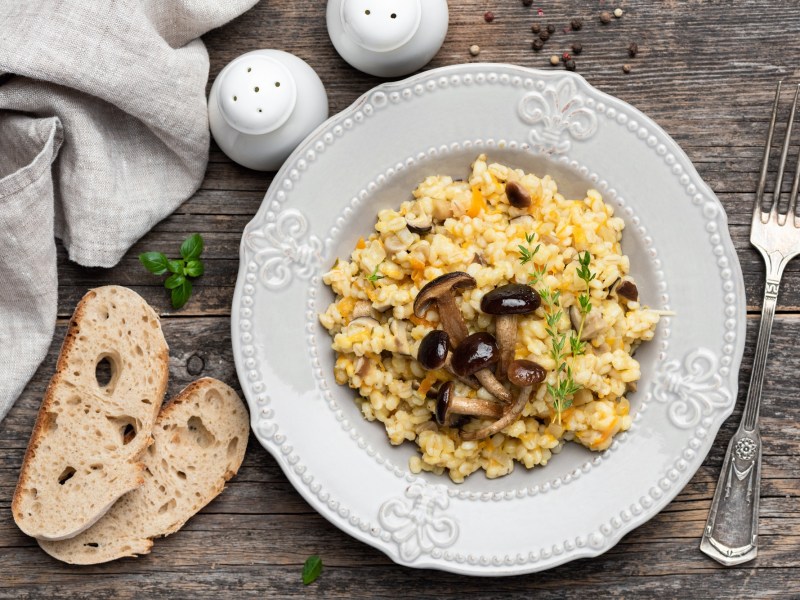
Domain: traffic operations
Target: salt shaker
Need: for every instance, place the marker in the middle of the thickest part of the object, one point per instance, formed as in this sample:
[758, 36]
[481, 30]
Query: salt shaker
[387, 38]
[262, 105]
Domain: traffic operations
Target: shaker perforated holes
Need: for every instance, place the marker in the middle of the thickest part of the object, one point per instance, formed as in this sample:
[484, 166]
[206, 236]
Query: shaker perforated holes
[381, 27]
[256, 95]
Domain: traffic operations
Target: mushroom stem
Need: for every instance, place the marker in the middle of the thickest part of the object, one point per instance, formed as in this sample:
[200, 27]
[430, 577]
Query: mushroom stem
[448, 404]
[476, 407]
[511, 414]
[493, 386]
[506, 326]
[451, 319]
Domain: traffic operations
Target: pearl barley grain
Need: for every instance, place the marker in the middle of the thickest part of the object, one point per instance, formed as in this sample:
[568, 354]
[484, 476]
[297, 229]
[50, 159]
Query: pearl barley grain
[474, 49]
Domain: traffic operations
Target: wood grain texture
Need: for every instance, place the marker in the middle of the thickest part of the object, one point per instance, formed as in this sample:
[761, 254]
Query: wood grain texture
[706, 73]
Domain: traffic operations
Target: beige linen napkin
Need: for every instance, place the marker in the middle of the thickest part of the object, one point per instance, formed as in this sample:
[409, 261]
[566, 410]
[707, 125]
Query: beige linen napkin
[119, 87]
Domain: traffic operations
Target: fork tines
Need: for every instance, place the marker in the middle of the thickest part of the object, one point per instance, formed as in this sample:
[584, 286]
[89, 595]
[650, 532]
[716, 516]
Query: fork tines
[773, 213]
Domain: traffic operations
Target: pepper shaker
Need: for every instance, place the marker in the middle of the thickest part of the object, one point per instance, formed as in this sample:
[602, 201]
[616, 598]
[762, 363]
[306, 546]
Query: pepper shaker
[387, 38]
[262, 105]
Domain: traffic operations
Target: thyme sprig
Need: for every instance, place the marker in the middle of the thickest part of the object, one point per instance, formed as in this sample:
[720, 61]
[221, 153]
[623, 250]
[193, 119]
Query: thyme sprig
[526, 256]
[584, 302]
[565, 385]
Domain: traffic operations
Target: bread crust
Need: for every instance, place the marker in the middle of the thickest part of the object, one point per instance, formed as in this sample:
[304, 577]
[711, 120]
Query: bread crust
[132, 476]
[186, 468]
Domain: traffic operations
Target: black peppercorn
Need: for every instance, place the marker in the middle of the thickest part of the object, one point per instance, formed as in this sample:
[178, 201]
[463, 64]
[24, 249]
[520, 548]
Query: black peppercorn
[576, 24]
[551, 29]
[536, 28]
[537, 45]
[527, 2]
[570, 65]
[488, 16]
[633, 49]
[605, 17]
[577, 48]
[544, 36]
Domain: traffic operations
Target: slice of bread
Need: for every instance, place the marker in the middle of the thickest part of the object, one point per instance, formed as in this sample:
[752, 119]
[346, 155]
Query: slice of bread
[199, 443]
[90, 434]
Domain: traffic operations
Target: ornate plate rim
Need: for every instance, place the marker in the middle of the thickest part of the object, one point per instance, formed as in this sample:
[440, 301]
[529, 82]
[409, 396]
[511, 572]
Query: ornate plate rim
[705, 436]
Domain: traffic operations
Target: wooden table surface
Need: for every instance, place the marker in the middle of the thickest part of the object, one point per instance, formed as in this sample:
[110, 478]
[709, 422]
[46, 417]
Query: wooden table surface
[706, 73]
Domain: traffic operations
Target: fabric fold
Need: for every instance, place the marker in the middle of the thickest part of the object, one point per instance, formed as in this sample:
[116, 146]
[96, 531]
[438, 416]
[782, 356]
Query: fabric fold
[28, 292]
[122, 87]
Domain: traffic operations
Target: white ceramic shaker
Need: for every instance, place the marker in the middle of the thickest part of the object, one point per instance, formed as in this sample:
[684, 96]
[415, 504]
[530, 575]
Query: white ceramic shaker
[387, 38]
[262, 105]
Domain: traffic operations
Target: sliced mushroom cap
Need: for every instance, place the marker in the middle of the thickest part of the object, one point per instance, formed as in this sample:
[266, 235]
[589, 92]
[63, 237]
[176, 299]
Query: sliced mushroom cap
[518, 196]
[399, 331]
[511, 299]
[626, 288]
[433, 349]
[419, 224]
[523, 372]
[475, 352]
[441, 291]
[362, 308]
[593, 325]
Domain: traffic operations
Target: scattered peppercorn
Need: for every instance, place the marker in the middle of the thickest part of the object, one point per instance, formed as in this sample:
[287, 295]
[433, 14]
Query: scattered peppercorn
[605, 17]
[633, 49]
[544, 36]
[536, 28]
[618, 12]
[537, 44]
[527, 2]
[551, 29]
[565, 57]
[474, 49]
[554, 60]
[570, 65]
[488, 16]
[577, 48]
[626, 68]
[576, 24]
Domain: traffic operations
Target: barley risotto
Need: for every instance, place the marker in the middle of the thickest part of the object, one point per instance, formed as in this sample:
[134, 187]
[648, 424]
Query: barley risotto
[490, 321]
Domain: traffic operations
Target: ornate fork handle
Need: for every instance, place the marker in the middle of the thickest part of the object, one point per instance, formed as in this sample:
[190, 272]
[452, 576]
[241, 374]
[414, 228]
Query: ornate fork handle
[731, 533]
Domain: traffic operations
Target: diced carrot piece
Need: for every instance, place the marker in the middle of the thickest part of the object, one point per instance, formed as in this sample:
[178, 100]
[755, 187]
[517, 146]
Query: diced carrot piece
[361, 244]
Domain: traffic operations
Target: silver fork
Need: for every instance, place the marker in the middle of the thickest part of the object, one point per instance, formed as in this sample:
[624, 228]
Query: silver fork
[731, 533]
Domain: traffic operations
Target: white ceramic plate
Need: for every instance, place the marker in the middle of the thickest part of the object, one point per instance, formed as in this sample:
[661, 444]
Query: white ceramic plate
[371, 156]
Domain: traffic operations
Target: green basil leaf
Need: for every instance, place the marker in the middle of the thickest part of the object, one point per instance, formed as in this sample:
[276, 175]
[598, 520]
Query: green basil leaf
[175, 266]
[180, 295]
[192, 247]
[174, 281]
[155, 262]
[194, 268]
[312, 569]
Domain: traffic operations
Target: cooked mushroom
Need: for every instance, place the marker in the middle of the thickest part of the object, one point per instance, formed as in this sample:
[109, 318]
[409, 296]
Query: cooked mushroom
[506, 302]
[433, 353]
[525, 373]
[400, 335]
[442, 209]
[362, 366]
[523, 221]
[362, 308]
[478, 259]
[592, 325]
[433, 349]
[419, 224]
[448, 404]
[440, 291]
[473, 356]
[518, 196]
[626, 288]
